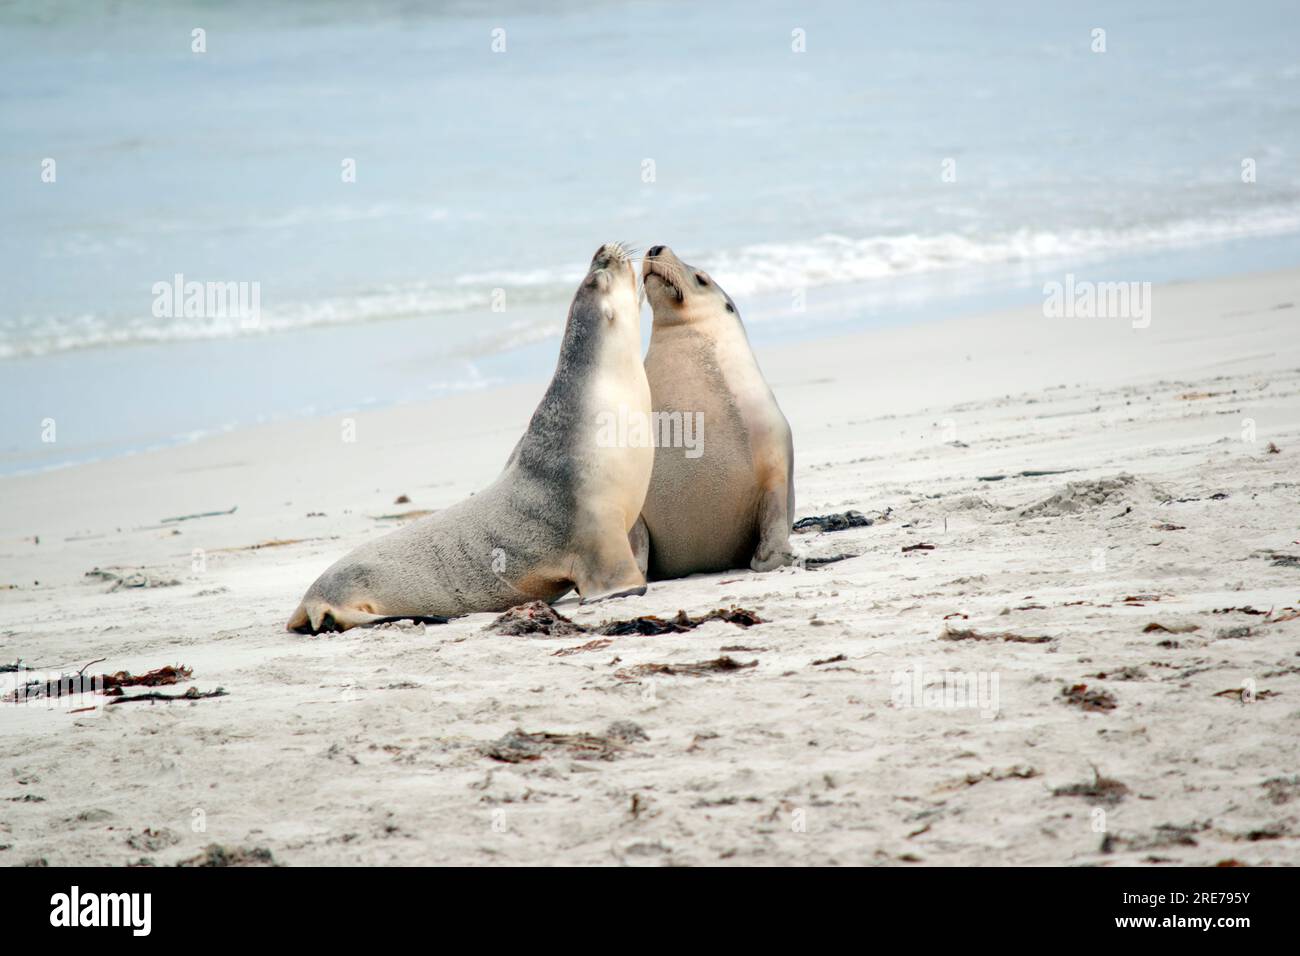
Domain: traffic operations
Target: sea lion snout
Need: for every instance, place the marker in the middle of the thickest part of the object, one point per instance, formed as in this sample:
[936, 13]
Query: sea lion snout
[609, 255]
[668, 281]
[611, 272]
[680, 292]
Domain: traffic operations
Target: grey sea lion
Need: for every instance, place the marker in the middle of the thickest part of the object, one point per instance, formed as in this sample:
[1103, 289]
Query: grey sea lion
[557, 518]
[729, 504]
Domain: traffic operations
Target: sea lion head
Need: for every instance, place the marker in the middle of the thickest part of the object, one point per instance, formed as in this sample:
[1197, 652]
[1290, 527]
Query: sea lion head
[679, 292]
[605, 313]
[608, 290]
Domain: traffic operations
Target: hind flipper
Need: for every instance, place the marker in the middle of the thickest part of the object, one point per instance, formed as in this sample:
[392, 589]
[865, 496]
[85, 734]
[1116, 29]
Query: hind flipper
[315, 616]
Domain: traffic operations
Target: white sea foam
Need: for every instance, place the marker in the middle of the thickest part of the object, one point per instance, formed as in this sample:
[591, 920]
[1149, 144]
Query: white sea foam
[771, 267]
[833, 259]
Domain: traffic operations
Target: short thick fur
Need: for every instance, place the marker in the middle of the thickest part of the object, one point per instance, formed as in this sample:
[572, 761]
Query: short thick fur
[731, 506]
[557, 517]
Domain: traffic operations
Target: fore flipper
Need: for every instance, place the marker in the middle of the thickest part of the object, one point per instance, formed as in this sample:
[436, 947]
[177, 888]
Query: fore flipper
[773, 549]
[607, 569]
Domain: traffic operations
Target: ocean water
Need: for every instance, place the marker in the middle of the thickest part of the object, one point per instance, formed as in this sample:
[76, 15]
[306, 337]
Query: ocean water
[912, 159]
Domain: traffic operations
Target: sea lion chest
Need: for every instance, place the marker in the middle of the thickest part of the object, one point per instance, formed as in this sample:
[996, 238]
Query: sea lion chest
[702, 506]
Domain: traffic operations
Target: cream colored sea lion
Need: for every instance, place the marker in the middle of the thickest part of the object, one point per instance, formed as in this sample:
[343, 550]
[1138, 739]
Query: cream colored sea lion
[559, 515]
[729, 502]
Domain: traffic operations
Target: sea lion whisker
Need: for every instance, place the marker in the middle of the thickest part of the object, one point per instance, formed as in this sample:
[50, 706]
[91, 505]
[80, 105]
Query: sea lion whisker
[669, 273]
[622, 251]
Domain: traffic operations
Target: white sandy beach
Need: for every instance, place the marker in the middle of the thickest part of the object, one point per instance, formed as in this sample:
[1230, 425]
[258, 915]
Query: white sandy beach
[368, 746]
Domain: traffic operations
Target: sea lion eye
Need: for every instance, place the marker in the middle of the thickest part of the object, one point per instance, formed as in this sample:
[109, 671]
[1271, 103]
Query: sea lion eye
[730, 307]
[701, 280]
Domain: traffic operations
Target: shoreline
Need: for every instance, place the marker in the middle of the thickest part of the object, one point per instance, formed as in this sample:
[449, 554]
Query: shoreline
[1148, 562]
[251, 381]
[486, 422]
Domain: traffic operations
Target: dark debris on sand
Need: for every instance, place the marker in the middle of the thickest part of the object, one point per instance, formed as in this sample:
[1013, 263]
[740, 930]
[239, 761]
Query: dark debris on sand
[1099, 789]
[719, 665]
[812, 564]
[110, 684]
[970, 634]
[161, 677]
[1165, 835]
[1281, 790]
[1098, 701]
[1028, 473]
[539, 618]
[150, 840]
[215, 854]
[192, 693]
[829, 660]
[1156, 626]
[650, 624]
[842, 521]
[1245, 695]
[519, 745]
[599, 644]
[1129, 672]
[647, 624]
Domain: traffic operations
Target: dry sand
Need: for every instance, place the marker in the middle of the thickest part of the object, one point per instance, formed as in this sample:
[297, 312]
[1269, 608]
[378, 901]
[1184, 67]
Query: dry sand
[370, 746]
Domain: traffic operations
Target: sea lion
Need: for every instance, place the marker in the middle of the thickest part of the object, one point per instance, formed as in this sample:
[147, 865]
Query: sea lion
[558, 516]
[730, 502]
